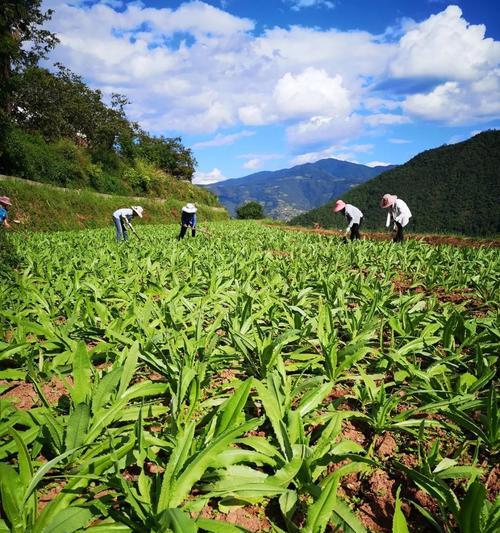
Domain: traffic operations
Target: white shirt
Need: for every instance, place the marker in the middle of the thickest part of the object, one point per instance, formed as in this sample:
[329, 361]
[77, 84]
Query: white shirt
[354, 214]
[399, 212]
[124, 212]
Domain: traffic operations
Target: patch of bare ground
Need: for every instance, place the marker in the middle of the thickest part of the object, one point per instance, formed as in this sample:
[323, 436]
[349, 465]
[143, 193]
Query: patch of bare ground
[251, 517]
[279, 253]
[49, 493]
[24, 394]
[385, 445]
[352, 431]
[493, 483]
[379, 236]
[222, 378]
[465, 296]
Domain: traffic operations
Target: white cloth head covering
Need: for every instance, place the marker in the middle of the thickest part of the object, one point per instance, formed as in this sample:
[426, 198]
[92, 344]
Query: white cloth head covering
[189, 208]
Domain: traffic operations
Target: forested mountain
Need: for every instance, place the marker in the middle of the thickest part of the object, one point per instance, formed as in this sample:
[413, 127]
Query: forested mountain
[287, 192]
[454, 188]
[55, 129]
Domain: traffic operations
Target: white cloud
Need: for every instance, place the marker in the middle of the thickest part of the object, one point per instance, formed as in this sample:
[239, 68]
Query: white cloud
[224, 140]
[321, 129]
[457, 103]
[399, 141]
[445, 46]
[205, 178]
[380, 119]
[341, 152]
[254, 161]
[301, 4]
[197, 68]
[312, 92]
[377, 164]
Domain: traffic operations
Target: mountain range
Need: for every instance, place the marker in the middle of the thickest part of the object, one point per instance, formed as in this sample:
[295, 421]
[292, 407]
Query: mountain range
[451, 189]
[288, 192]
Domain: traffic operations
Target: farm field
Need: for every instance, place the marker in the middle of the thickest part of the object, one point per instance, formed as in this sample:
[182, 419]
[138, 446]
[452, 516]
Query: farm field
[250, 379]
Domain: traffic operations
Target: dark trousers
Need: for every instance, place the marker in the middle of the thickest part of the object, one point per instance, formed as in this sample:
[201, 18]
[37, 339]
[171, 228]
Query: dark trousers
[355, 235]
[183, 232]
[398, 236]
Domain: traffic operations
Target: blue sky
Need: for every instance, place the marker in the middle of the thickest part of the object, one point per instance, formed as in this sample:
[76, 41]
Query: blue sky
[266, 84]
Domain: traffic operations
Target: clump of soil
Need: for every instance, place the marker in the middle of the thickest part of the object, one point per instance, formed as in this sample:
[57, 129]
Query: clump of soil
[385, 445]
[250, 517]
[25, 397]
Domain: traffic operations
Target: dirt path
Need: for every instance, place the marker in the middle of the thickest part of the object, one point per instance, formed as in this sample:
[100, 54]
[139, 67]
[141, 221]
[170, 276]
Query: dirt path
[380, 236]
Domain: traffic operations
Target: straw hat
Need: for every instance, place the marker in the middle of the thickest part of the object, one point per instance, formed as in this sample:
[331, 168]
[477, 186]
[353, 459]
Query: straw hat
[388, 200]
[138, 210]
[339, 205]
[189, 208]
[5, 200]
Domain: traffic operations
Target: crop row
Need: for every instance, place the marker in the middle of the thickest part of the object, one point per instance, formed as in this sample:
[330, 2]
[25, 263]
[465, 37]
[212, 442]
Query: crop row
[306, 384]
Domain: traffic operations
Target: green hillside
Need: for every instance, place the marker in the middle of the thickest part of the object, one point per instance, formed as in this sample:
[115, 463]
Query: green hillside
[44, 207]
[454, 188]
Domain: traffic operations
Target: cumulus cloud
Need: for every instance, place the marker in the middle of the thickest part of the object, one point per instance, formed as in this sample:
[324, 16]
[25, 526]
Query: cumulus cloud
[458, 103]
[197, 68]
[464, 64]
[445, 46]
[205, 178]
[312, 92]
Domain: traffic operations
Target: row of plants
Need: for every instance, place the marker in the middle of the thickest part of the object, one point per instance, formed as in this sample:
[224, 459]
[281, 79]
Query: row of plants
[312, 385]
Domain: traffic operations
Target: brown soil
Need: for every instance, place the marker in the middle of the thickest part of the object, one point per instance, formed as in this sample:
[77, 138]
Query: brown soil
[48, 494]
[379, 236]
[493, 483]
[465, 296]
[350, 432]
[378, 507]
[25, 396]
[385, 445]
[250, 517]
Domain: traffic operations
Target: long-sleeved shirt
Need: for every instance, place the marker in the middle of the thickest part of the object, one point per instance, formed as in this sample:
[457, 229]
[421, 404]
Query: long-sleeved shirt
[124, 212]
[188, 219]
[353, 215]
[399, 212]
[3, 215]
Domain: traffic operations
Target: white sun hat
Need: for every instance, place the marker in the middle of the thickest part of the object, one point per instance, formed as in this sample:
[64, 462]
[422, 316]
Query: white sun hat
[189, 208]
[138, 210]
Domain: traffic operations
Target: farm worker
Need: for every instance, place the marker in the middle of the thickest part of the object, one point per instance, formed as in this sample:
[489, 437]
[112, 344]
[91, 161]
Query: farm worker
[399, 214]
[4, 206]
[353, 215]
[188, 219]
[122, 218]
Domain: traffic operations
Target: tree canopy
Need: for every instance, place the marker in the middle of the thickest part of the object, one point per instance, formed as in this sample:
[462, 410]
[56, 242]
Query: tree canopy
[250, 210]
[57, 129]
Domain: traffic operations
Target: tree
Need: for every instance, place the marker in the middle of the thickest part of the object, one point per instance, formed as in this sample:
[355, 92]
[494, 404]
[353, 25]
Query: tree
[20, 22]
[250, 210]
[168, 154]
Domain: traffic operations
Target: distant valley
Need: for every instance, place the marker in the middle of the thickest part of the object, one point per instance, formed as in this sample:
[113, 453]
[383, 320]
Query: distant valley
[289, 192]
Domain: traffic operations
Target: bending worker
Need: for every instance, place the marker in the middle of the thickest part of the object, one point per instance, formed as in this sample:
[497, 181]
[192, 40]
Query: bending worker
[188, 220]
[399, 214]
[122, 218]
[4, 206]
[354, 217]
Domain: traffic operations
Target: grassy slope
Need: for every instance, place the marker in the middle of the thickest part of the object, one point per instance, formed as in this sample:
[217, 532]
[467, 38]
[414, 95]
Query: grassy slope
[45, 207]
